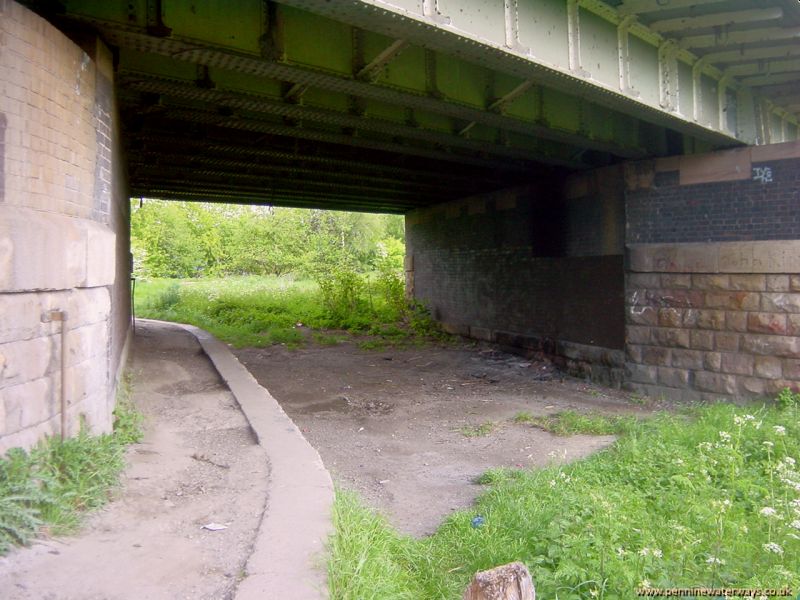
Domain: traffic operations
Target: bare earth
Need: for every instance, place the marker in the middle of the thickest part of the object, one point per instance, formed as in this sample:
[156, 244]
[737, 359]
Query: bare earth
[391, 424]
[198, 464]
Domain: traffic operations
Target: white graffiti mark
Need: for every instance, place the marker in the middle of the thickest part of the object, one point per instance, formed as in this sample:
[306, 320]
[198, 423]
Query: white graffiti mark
[762, 174]
[636, 310]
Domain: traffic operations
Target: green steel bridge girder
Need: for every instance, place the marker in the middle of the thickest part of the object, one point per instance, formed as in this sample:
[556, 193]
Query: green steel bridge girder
[482, 88]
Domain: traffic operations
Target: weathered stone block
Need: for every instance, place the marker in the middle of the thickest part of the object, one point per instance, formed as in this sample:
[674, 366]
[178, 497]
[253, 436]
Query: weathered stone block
[676, 378]
[676, 281]
[641, 373]
[28, 403]
[712, 361]
[772, 345]
[636, 334]
[88, 341]
[690, 317]
[737, 364]
[680, 298]
[101, 263]
[775, 386]
[711, 282]
[752, 386]
[676, 338]
[656, 355]
[643, 280]
[794, 283]
[733, 300]
[642, 315]
[777, 283]
[27, 360]
[793, 324]
[768, 367]
[701, 340]
[736, 321]
[670, 317]
[749, 282]
[40, 251]
[715, 382]
[687, 359]
[766, 323]
[791, 368]
[710, 319]
[726, 342]
[787, 303]
[633, 353]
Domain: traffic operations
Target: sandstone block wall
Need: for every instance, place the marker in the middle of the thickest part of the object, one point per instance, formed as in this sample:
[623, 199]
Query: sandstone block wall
[63, 231]
[713, 309]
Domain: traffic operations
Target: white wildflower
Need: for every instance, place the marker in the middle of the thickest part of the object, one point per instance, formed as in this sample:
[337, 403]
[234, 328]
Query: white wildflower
[644, 583]
[768, 511]
[656, 552]
[725, 436]
[769, 444]
[779, 429]
[737, 420]
[773, 547]
[644, 552]
[704, 446]
[620, 551]
[713, 560]
[795, 524]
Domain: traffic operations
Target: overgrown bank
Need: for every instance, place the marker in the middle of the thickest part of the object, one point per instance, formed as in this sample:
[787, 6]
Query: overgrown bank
[708, 497]
[52, 486]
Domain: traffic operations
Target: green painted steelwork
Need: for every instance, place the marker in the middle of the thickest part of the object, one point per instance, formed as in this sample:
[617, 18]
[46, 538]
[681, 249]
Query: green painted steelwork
[469, 95]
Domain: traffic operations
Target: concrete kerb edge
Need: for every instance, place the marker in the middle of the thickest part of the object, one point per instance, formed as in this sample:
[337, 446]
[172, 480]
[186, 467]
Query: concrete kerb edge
[287, 558]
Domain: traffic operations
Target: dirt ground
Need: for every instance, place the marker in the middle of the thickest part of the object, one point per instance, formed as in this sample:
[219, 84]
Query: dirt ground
[394, 425]
[198, 464]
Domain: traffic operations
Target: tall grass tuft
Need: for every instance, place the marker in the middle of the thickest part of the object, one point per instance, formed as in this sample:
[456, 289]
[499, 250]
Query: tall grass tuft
[54, 484]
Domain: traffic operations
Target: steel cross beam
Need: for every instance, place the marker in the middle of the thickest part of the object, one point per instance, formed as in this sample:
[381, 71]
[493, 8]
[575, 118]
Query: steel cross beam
[583, 47]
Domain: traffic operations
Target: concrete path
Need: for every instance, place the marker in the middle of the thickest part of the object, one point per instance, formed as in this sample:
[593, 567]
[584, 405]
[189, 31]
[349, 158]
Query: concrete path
[287, 560]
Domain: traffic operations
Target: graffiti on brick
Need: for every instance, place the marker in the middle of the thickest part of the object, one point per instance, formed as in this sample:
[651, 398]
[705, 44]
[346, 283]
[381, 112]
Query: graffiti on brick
[762, 174]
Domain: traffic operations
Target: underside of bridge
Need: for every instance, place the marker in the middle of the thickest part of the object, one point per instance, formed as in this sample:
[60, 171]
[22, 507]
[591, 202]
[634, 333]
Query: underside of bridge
[388, 106]
[613, 184]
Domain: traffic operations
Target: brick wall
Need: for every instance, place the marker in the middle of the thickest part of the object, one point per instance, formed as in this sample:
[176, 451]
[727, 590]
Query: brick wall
[713, 309]
[536, 269]
[761, 207]
[63, 222]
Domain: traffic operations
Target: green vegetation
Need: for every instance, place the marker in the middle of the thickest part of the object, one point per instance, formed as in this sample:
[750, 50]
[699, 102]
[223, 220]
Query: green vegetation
[710, 497]
[57, 481]
[571, 422]
[255, 276]
[481, 430]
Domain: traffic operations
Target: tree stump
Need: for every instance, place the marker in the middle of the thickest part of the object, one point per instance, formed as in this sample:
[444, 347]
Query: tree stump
[507, 582]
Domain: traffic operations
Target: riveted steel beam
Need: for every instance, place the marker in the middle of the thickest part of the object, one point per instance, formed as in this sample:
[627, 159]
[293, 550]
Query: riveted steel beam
[256, 104]
[717, 19]
[541, 127]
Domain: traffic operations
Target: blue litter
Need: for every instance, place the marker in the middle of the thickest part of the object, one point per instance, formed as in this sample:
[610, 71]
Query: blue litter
[477, 522]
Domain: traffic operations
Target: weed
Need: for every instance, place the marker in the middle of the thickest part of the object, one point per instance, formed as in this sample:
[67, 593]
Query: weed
[478, 430]
[498, 475]
[570, 422]
[523, 417]
[57, 481]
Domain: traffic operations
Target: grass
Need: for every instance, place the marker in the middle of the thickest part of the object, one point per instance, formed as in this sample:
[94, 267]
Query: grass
[481, 430]
[707, 497]
[54, 484]
[261, 311]
[571, 422]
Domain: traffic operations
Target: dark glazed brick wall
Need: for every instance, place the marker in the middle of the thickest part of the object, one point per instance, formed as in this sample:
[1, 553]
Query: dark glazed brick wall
[762, 208]
[525, 261]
